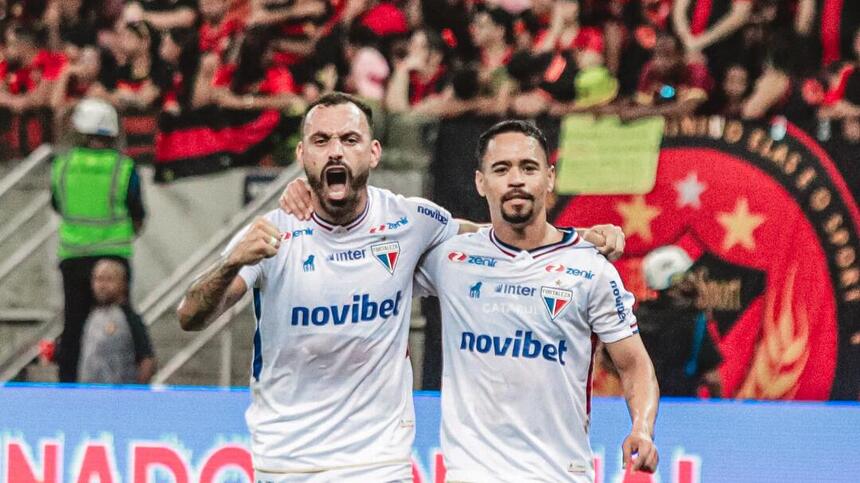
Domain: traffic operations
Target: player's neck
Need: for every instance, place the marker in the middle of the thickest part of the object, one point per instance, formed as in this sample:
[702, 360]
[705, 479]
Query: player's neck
[528, 236]
[338, 217]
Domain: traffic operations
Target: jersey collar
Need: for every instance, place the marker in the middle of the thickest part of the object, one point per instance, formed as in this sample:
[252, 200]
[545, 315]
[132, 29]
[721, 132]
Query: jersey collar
[569, 238]
[328, 226]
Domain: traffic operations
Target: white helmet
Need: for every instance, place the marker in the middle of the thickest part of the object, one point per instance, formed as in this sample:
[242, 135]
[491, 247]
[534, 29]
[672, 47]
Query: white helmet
[96, 117]
[663, 264]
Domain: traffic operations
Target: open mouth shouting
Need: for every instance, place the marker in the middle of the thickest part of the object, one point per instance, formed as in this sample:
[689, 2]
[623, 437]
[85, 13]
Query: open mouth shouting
[336, 181]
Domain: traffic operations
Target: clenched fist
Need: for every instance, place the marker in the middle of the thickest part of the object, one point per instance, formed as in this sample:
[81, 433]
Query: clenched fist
[261, 241]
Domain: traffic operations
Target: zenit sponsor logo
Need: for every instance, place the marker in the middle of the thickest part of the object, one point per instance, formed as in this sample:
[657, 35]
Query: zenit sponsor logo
[574, 272]
[460, 257]
[362, 309]
[347, 256]
[433, 213]
[391, 225]
[297, 233]
[522, 344]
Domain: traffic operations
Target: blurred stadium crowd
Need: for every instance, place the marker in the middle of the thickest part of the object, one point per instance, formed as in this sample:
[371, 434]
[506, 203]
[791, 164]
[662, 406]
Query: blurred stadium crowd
[180, 59]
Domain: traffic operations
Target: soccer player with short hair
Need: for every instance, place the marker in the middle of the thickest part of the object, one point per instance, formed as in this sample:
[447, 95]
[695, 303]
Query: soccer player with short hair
[523, 305]
[331, 379]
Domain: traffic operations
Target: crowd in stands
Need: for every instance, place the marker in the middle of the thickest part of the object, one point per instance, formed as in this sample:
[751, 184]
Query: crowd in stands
[742, 58]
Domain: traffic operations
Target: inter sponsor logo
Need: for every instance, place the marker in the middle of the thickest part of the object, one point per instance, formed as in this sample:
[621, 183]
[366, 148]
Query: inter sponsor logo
[347, 256]
[521, 345]
[297, 233]
[573, 272]
[362, 309]
[510, 289]
[433, 213]
[391, 225]
[460, 257]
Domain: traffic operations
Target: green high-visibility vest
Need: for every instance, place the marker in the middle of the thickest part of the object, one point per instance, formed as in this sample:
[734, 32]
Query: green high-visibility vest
[91, 188]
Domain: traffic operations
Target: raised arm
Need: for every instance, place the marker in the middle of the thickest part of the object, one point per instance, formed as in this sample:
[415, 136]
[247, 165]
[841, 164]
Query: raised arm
[642, 394]
[220, 287]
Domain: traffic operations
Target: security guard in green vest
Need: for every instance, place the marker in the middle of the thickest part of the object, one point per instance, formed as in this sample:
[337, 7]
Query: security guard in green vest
[96, 191]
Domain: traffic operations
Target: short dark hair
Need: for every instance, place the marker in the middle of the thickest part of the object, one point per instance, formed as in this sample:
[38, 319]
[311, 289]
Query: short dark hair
[336, 99]
[514, 125]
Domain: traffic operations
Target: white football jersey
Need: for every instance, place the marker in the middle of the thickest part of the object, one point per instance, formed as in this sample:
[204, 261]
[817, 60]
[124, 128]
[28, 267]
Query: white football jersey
[331, 379]
[519, 330]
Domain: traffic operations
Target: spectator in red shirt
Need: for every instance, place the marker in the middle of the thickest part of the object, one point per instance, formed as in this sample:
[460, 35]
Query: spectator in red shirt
[669, 85]
[217, 30]
[419, 77]
[256, 82]
[29, 73]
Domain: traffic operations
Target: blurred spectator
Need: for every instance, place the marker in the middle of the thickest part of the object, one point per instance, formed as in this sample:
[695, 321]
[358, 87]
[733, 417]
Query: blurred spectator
[29, 71]
[729, 98]
[421, 76]
[669, 85]
[180, 56]
[82, 78]
[138, 67]
[256, 82]
[786, 87]
[162, 14]
[70, 26]
[217, 30]
[115, 348]
[492, 33]
[674, 330]
[566, 34]
[711, 27]
[642, 21]
[368, 69]
[96, 191]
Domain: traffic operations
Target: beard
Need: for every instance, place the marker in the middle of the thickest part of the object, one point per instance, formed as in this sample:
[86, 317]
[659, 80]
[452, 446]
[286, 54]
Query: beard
[339, 210]
[522, 216]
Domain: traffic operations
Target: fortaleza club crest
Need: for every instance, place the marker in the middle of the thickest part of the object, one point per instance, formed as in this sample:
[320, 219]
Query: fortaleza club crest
[555, 300]
[387, 254]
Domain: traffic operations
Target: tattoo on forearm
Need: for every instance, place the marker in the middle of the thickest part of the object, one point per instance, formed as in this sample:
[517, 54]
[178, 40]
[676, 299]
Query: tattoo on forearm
[207, 292]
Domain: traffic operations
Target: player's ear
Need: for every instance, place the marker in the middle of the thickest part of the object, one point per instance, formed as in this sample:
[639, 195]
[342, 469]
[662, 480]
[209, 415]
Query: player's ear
[551, 176]
[479, 183]
[375, 153]
[299, 150]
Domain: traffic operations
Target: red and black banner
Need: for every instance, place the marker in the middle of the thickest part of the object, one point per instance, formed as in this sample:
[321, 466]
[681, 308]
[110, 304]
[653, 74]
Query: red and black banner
[211, 140]
[773, 229]
[774, 232]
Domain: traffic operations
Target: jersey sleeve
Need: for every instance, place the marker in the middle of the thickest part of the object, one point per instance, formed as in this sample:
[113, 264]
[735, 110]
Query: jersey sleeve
[610, 307]
[426, 277]
[251, 274]
[436, 223]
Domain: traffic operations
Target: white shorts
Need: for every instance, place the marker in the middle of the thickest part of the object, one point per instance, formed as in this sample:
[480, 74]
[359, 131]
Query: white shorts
[388, 473]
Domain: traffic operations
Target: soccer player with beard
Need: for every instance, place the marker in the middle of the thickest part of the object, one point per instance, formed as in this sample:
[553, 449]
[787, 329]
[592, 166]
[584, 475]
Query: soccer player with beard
[520, 328]
[331, 379]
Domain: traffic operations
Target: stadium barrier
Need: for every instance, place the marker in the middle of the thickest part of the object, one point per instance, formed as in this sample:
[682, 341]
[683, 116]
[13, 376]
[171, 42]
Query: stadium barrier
[136, 434]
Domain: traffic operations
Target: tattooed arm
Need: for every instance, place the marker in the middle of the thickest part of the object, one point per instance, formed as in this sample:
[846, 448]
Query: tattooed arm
[220, 287]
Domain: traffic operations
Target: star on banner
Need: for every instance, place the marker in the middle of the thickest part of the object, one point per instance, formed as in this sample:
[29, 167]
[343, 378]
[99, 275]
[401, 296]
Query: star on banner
[690, 190]
[740, 225]
[637, 216]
